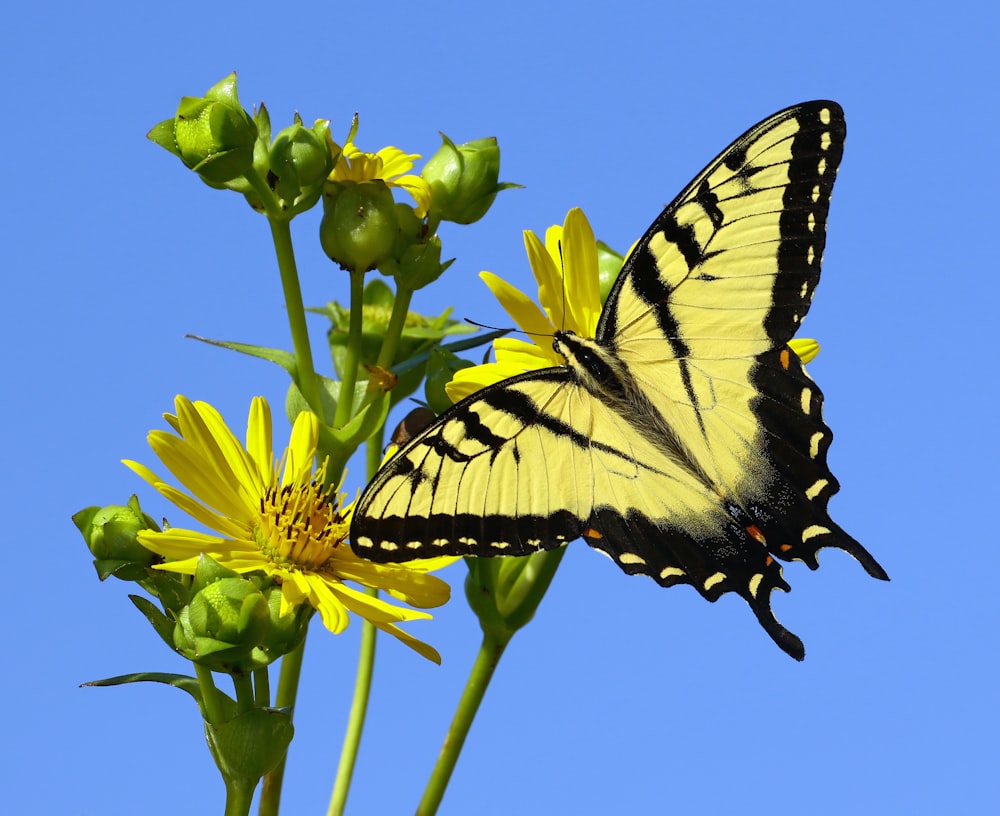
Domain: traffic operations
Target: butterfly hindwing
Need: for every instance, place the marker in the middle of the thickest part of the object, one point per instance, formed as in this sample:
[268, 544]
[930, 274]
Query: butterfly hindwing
[686, 440]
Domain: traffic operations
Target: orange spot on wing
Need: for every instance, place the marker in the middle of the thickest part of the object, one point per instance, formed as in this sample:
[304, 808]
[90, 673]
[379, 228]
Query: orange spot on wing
[785, 361]
[768, 561]
[785, 547]
[755, 533]
[590, 532]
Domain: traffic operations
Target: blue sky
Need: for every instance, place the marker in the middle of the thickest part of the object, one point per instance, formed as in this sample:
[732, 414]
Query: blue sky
[620, 696]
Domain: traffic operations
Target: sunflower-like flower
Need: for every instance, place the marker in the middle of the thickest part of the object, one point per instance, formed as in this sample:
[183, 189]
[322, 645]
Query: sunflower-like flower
[277, 517]
[388, 165]
[566, 270]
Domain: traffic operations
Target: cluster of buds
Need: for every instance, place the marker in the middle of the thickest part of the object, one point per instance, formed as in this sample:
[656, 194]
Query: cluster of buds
[364, 228]
[220, 619]
[230, 149]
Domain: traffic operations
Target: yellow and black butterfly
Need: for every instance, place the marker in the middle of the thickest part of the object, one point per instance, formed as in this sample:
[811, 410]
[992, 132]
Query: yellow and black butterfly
[685, 440]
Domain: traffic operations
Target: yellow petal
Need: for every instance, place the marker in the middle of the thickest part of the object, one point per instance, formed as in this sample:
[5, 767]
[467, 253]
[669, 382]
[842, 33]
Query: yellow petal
[198, 474]
[411, 586]
[259, 443]
[419, 189]
[520, 356]
[467, 381]
[521, 308]
[216, 521]
[806, 348]
[371, 608]
[418, 646]
[301, 449]
[395, 162]
[581, 276]
[179, 543]
[548, 275]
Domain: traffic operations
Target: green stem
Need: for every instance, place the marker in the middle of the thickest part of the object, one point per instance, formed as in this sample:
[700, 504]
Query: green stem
[244, 692]
[288, 686]
[239, 790]
[352, 357]
[262, 688]
[305, 371]
[210, 703]
[356, 719]
[490, 652]
[363, 681]
[239, 796]
[397, 322]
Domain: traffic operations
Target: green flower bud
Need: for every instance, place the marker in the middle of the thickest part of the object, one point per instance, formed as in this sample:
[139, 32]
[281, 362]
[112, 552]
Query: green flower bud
[419, 265]
[285, 632]
[111, 536]
[360, 225]
[463, 180]
[412, 229]
[212, 134]
[224, 623]
[416, 259]
[300, 160]
[441, 368]
[609, 264]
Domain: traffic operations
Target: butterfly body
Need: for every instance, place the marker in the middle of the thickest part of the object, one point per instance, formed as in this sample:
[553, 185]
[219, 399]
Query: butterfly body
[685, 440]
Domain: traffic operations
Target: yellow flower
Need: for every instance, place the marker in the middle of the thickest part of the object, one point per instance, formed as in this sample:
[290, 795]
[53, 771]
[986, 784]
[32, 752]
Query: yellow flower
[276, 517]
[389, 165]
[567, 272]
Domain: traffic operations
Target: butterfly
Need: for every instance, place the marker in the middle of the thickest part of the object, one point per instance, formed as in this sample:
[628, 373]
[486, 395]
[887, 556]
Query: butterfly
[685, 440]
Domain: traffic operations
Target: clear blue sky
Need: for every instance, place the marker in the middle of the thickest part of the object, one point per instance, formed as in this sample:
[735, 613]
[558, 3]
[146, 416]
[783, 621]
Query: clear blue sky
[620, 696]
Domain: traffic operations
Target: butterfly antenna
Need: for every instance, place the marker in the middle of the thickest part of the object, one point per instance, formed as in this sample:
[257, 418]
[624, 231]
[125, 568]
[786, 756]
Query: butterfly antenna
[562, 269]
[509, 330]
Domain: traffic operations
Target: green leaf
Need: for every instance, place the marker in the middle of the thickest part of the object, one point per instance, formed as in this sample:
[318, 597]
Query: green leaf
[251, 744]
[163, 624]
[181, 681]
[283, 358]
[329, 394]
[362, 425]
[454, 347]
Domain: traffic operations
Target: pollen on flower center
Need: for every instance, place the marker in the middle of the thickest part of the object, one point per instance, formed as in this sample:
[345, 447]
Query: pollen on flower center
[300, 527]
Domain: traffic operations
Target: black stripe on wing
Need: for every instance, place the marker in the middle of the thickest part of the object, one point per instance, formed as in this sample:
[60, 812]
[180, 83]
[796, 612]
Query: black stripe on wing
[817, 149]
[463, 534]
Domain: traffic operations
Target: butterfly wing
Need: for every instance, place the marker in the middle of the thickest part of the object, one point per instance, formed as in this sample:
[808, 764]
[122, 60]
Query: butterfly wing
[700, 318]
[480, 480]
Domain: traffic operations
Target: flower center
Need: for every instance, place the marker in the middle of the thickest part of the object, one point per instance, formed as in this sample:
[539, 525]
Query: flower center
[299, 526]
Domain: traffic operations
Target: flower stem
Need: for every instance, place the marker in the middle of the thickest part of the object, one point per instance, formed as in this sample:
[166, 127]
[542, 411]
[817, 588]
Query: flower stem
[262, 688]
[397, 322]
[305, 372]
[288, 686]
[356, 720]
[239, 796]
[352, 357]
[210, 703]
[244, 692]
[490, 652]
[363, 681]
